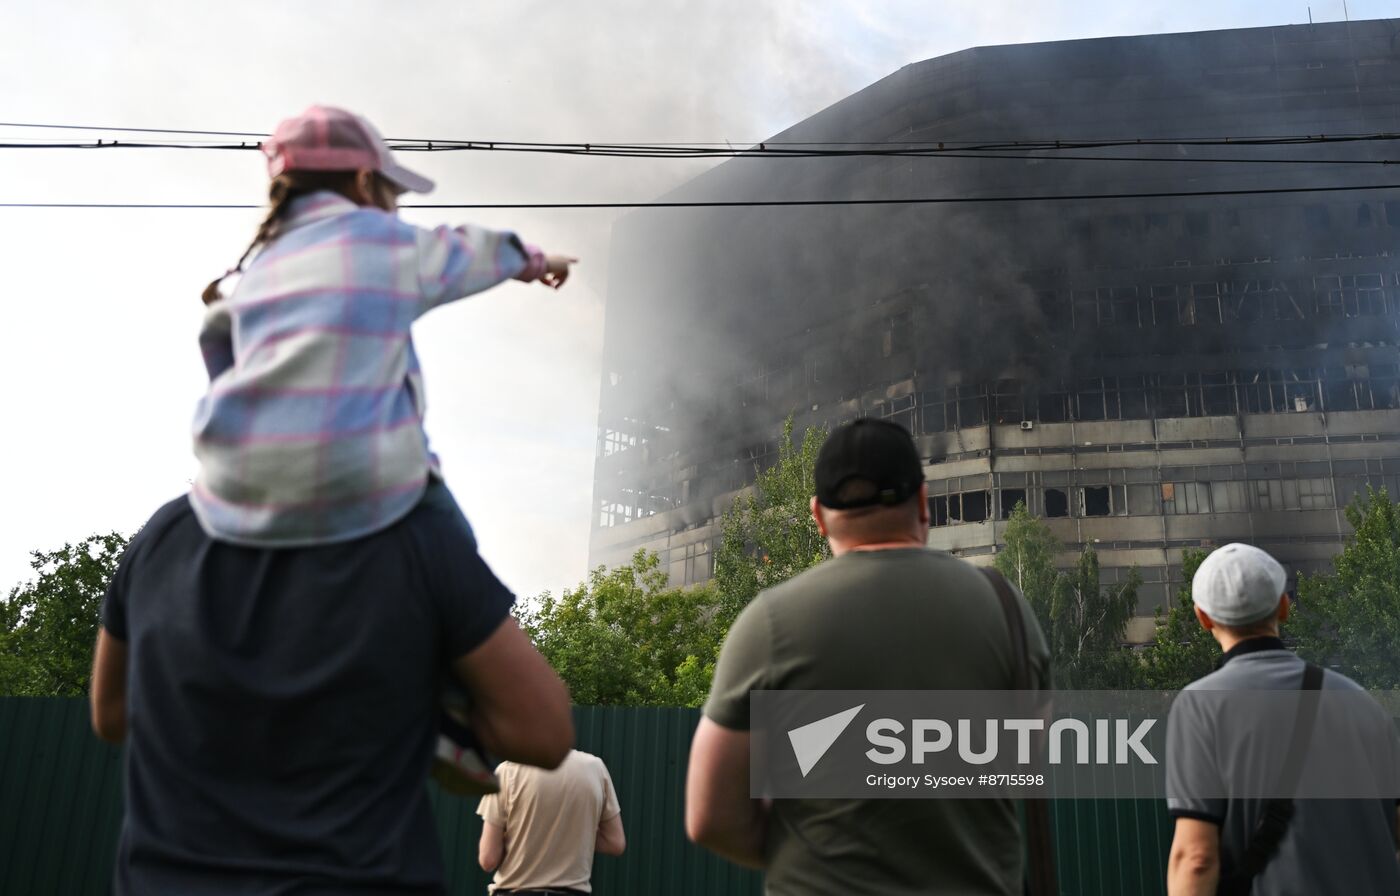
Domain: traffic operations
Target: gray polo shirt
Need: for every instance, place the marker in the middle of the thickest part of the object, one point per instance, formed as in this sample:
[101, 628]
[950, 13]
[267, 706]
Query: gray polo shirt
[1332, 846]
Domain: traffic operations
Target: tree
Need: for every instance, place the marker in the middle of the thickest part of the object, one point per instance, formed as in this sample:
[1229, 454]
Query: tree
[768, 535]
[1027, 559]
[625, 638]
[1089, 623]
[1084, 622]
[1352, 619]
[48, 626]
[1183, 651]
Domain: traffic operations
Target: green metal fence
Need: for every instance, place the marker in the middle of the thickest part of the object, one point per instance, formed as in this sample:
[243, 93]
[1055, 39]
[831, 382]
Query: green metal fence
[60, 809]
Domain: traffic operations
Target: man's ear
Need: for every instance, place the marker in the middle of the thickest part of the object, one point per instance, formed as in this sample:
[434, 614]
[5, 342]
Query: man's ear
[1284, 607]
[1206, 622]
[923, 505]
[817, 516]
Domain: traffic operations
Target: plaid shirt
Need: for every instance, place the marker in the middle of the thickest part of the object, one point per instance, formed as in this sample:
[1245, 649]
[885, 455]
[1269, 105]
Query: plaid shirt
[312, 429]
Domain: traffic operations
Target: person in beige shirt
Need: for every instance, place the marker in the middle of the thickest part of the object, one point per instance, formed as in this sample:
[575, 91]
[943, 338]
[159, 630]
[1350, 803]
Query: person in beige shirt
[540, 831]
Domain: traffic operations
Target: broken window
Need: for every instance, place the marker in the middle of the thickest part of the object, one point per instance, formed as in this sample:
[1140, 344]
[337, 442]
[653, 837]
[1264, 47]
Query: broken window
[974, 507]
[1132, 395]
[1170, 398]
[1092, 400]
[1244, 299]
[1279, 391]
[1007, 406]
[1385, 389]
[1164, 304]
[1301, 398]
[938, 510]
[1010, 497]
[933, 413]
[901, 411]
[1217, 394]
[697, 562]
[1370, 295]
[1125, 305]
[1056, 502]
[1346, 392]
[1363, 216]
[972, 406]
[1052, 407]
[615, 440]
[1104, 305]
[1096, 501]
[820, 370]
[898, 334]
[963, 507]
[1204, 305]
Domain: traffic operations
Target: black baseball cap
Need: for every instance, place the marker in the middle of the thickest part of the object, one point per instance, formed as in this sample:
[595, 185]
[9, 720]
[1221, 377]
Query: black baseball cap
[878, 451]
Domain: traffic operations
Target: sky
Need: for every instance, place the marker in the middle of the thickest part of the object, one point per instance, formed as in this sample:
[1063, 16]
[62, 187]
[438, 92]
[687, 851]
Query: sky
[99, 309]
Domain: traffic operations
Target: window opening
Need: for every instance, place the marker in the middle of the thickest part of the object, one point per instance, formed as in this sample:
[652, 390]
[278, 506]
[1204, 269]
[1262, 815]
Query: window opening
[1010, 497]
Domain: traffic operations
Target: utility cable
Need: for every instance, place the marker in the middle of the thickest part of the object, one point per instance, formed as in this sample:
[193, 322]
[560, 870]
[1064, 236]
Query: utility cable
[750, 203]
[732, 154]
[787, 147]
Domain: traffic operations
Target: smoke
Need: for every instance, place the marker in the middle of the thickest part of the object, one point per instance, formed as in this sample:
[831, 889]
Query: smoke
[727, 320]
[512, 375]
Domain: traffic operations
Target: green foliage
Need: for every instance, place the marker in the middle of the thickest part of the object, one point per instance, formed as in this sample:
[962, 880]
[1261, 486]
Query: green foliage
[1027, 559]
[48, 626]
[769, 536]
[625, 638]
[1084, 622]
[1352, 619]
[1183, 651]
[1089, 623]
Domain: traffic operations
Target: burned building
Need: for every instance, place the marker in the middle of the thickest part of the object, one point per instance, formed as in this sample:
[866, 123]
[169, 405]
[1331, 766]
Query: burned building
[1212, 359]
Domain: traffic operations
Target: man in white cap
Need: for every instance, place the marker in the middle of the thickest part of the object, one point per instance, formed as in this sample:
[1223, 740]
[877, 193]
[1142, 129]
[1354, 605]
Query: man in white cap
[1217, 748]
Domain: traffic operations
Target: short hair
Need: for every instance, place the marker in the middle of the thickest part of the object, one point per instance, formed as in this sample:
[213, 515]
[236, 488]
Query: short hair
[1266, 626]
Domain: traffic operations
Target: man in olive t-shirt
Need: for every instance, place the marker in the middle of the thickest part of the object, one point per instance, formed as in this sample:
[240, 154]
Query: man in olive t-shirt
[885, 613]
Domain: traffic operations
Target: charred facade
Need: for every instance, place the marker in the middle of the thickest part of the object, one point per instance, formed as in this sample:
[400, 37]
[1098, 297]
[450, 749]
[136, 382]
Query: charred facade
[1147, 374]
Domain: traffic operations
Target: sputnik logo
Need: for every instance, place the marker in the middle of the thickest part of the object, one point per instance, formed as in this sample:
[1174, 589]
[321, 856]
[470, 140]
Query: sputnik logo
[811, 741]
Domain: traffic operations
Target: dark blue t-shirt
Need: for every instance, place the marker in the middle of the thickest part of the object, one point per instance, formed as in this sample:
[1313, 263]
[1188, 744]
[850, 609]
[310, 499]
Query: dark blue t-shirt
[282, 703]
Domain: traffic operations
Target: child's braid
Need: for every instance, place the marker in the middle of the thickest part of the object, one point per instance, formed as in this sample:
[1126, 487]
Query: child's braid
[280, 193]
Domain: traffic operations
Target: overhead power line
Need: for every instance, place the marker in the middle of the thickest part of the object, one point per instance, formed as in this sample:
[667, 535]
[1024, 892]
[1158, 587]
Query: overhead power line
[641, 152]
[752, 203]
[724, 149]
[88, 127]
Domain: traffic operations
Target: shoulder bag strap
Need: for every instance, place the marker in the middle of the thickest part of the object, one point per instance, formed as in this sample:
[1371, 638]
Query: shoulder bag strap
[1040, 845]
[1277, 813]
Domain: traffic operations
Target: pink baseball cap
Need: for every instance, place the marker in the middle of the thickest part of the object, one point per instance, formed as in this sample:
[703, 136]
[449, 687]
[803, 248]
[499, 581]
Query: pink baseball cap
[324, 138]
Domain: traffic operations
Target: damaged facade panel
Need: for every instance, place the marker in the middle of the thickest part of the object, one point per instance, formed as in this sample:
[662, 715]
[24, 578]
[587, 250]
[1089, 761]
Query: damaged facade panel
[1147, 375]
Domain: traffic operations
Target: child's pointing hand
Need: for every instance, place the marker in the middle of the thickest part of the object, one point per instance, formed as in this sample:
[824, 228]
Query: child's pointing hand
[556, 270]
